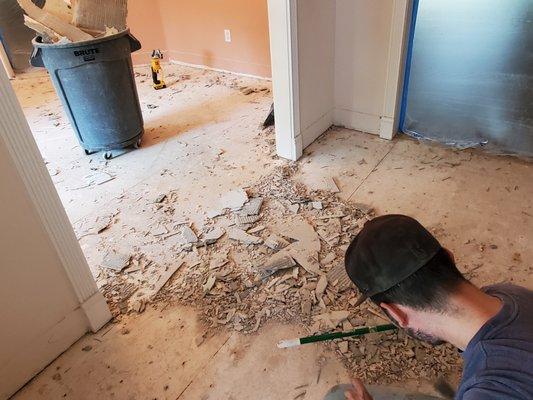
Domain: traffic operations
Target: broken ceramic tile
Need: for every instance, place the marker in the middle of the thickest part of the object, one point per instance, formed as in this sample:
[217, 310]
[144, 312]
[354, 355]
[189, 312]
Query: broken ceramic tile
[338, 278]
[165, 277]
[213, 235]
[321, 286]
[294, 208]
[243, 237]
[98, 178]
[188, 235]
[234, 200]
[252, 207]
[329, 184]
[209, 283]
[246, 219]
[317, 205]
[159, 230]
[257, 229]
[334, 318]
[115, 261]
[275, 242]
[343, 346]
[215, 213]
[276, 263]
[364, 208]
[160, 198]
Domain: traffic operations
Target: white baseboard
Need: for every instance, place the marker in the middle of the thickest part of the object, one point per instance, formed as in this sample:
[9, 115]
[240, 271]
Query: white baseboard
[386, 128]
[358, 121]
[97, 311]
[41, 351]
[317, 128]
[218, 70]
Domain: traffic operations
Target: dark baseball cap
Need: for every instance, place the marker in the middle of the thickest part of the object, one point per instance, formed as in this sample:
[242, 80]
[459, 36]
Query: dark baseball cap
[388, 250]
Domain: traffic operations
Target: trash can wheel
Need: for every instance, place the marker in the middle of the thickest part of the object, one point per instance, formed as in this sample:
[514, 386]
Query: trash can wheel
[137, 144]
[107, 155]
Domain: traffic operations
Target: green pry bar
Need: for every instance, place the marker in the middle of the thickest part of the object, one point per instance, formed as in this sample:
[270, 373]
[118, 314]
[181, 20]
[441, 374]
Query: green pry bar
[336, 335]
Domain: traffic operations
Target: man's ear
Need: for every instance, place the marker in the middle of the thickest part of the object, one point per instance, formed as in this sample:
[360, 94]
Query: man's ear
[396, 313]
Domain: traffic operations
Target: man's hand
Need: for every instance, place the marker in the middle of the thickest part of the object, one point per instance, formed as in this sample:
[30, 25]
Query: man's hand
[358, 392]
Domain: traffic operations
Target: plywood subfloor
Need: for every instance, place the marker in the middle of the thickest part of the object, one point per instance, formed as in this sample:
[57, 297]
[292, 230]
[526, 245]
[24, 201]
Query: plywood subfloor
[202, 139]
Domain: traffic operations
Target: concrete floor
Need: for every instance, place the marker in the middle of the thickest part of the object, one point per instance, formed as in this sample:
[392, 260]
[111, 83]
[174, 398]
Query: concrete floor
[202, 140]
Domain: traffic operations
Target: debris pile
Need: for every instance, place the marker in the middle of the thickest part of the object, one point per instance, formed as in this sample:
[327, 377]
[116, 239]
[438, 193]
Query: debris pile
[273, 251]
[63, 21]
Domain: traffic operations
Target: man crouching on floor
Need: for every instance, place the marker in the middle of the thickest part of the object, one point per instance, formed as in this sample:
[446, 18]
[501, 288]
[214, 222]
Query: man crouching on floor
[396, 263]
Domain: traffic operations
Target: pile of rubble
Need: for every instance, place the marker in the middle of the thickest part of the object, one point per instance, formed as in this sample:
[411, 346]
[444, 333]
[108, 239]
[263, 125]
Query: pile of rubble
[274, 251]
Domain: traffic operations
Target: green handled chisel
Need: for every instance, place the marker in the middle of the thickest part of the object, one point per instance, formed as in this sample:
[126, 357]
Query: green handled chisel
[336, 335]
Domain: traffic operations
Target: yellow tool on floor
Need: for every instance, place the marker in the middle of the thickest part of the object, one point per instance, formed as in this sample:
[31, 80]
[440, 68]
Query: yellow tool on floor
[157, 71]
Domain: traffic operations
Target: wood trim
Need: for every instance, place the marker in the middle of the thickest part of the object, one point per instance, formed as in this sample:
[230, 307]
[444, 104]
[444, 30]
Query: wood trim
[398, 42]
[283, 27]
[16, 134]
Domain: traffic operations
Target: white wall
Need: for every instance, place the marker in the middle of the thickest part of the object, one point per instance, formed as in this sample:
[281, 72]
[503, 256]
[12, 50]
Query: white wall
[316, 53]
[47, 294]
[362, 41]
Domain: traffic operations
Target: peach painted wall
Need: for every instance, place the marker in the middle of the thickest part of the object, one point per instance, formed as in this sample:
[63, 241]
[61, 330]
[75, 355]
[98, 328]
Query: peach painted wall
[193, 32]
[144, 21]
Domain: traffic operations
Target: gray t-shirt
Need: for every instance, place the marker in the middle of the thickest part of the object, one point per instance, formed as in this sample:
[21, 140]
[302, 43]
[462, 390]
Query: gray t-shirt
[498, 361]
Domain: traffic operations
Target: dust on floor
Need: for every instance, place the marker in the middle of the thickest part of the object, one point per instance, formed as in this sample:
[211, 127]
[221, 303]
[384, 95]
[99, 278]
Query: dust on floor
[204, 154]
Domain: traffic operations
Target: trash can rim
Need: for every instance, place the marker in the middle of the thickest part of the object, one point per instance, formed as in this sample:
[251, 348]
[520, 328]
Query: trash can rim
[78, 44]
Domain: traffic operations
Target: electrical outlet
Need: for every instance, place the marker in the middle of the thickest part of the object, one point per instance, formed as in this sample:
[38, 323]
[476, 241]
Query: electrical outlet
[227, 35]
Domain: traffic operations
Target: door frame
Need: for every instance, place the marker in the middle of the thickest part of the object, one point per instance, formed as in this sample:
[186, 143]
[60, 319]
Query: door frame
[283, 27]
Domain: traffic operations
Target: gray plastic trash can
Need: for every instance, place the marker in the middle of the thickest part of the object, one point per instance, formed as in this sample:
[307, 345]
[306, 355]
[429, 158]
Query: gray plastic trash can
[95, 82]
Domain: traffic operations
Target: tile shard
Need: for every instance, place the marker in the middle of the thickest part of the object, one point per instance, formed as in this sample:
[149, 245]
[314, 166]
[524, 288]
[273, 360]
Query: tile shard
[338, 278]
[243, 237]
[116, 261]
[252, 207]
[234, 200]
[276, 263]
